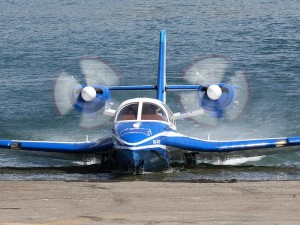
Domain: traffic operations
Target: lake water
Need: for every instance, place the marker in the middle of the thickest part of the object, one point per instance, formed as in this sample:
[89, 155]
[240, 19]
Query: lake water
[38, 39]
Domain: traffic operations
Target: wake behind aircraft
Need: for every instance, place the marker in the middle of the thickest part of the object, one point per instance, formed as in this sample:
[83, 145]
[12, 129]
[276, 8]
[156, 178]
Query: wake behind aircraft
[144, 131]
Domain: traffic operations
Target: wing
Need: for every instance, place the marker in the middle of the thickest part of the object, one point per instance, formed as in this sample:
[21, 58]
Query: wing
[183, 142]
[102, 145]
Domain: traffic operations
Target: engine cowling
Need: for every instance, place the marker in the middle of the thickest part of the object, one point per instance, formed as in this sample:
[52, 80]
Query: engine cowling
[216, 99]
[90, 99]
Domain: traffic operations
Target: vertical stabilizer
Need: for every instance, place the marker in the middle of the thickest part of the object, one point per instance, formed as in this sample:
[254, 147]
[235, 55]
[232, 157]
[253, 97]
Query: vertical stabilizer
[161, 79]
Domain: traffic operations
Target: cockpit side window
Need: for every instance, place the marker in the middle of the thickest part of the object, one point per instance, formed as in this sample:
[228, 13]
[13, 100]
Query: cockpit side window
[129, 112]
[153, 112]
[170, 113]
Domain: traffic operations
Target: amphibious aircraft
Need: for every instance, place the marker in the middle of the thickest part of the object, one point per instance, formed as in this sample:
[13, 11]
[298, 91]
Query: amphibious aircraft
[144, 129]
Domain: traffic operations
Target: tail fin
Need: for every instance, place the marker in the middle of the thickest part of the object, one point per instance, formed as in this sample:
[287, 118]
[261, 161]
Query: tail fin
[161, 79]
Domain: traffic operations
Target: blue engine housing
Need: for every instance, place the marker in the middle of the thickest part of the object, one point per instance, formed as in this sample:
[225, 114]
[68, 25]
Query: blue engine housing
[101, 101]
[216, 108]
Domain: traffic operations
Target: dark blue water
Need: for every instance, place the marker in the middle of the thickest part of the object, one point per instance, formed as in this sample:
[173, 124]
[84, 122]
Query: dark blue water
[40, 38]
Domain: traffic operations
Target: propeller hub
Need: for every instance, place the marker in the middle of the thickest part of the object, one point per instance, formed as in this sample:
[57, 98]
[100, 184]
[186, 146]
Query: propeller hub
[214, 92]
[88, 93]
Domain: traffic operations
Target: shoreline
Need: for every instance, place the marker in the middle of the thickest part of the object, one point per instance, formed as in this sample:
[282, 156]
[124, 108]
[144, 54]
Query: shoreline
[142, 202]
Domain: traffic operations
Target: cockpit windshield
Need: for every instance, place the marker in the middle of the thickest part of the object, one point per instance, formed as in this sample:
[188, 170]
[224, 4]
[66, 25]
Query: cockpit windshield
[129, 112]
[143, 110]
[153, 112]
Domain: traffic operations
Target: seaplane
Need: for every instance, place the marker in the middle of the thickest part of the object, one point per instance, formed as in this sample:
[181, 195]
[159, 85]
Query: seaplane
[144, 132]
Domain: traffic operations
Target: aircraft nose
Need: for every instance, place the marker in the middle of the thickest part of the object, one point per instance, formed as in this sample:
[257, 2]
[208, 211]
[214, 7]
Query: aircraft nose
[133, 133]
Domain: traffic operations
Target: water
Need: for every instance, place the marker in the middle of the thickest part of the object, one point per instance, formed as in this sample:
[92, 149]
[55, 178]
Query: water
[40, 38]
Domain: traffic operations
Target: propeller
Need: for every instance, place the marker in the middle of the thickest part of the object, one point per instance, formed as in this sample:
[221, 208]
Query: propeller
[90, 99]
[222, 92]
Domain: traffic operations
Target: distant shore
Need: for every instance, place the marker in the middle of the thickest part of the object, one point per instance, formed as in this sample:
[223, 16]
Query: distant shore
[140, 202]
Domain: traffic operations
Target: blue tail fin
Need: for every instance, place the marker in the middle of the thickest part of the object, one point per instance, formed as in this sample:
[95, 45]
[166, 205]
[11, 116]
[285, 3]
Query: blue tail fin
[161, 80]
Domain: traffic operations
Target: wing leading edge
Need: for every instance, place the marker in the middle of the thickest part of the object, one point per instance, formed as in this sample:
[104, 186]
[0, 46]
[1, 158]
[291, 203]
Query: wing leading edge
[101, 145]
[183, 142]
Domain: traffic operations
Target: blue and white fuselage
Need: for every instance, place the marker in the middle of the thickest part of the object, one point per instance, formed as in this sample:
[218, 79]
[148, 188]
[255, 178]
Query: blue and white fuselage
[139, 127]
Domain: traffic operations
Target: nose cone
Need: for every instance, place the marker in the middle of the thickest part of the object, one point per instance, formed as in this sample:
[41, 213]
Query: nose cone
[139, 133]
[132, 132]
[138, 146]
[88, 93]
[214, 92]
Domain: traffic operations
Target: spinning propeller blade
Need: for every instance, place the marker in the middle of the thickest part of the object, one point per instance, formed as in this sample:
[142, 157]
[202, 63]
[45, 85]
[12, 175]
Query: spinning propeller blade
[97, 72]
[242, 90]
[90, 99]
[207, 70]
[220, 88]
[63, 88]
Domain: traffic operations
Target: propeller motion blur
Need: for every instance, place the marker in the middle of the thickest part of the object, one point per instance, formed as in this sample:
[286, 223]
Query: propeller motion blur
[144, 129]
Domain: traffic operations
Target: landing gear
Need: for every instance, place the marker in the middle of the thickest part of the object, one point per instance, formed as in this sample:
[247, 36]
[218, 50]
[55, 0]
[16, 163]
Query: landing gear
[107, 161]
[190, 159]
[139, 169]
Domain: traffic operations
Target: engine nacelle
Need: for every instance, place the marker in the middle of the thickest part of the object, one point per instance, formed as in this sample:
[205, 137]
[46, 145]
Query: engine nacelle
[214, 102]
[90, 99]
